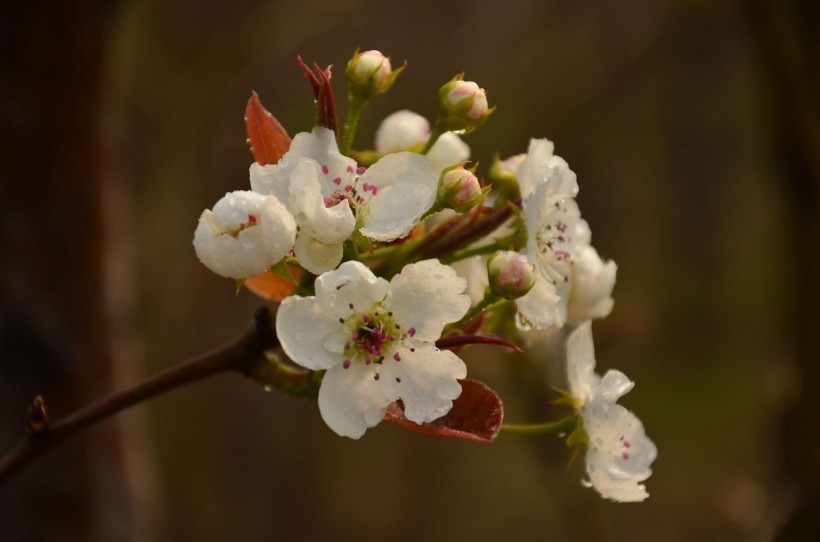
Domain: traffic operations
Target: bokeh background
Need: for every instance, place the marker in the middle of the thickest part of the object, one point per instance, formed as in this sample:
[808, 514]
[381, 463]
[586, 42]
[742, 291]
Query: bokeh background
[692, 126]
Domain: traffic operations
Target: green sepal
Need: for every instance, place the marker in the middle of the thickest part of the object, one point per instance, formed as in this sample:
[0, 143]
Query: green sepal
[281, 269]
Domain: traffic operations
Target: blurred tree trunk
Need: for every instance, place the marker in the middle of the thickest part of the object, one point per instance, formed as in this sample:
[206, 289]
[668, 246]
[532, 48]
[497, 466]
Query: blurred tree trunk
[785, 34]
[54, 327]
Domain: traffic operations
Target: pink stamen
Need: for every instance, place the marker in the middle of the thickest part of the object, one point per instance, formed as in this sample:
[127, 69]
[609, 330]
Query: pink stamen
[627, 444]
[348, 188]
[625, 455]
[347, 346]
[251, 218]
[396, 356]
[350, 169]
[346, 364]
[337, 181]
[411, 331]
[325, 170]
[376, 376]
[561, 255]
[361, 170]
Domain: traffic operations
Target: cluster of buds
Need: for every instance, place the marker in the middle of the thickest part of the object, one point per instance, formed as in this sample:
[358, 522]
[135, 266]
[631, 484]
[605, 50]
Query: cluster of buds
[388, 261]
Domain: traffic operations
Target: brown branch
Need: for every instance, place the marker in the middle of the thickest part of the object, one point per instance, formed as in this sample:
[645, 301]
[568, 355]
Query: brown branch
[240, 355]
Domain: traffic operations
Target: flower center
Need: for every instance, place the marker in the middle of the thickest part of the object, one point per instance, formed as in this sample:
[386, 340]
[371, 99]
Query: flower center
[554, 246]
[373, 337]
[234, 232]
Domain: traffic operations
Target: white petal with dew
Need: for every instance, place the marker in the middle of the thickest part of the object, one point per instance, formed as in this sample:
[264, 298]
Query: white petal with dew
[542, 307]
[532, 169]
[350, 400]
[353, 283]
[320, 145]
[426, 296]
[394, 211]
[400, 168]
[426, 380]
[302, 326]
[274, 179]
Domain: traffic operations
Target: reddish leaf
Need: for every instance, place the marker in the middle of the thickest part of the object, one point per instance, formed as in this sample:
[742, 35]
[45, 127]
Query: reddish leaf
[268, 140]
[455, 341]
[271, 286]
[476, 415]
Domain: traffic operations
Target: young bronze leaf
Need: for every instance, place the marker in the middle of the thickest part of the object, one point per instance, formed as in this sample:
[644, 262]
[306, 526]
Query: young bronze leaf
[268, 140]
[476, 415]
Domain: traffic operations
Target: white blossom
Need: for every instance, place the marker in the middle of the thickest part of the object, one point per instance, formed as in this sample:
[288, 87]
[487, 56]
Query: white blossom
[555, 231]
[377, 342]
[573, 284]
[619, 453]
[244, 234]
[330, 197]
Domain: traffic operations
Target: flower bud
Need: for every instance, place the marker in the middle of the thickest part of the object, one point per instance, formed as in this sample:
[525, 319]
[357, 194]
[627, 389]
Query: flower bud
[511, 275]
[459, 189]
[369, 73]
[463, 105]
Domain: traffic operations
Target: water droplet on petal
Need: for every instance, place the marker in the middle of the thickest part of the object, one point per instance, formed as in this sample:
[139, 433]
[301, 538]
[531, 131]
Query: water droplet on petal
[267, 388]
[522, 323]
[586, 482]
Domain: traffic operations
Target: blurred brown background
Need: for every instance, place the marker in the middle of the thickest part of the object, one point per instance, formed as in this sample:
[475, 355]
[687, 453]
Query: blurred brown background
[692, 126]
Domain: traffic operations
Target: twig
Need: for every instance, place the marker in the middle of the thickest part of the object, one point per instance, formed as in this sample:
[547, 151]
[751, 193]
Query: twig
[240, 355]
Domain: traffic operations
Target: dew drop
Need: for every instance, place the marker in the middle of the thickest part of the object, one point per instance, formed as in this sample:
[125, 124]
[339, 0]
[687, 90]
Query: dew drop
[267, 388]
[522, 323]
[586, 482]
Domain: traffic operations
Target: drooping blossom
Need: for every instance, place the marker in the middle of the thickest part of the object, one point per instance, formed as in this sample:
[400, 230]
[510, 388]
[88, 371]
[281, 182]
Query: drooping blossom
[573, 283]
[244, 234]
[376, 339]
[330, 197]
[619, 453]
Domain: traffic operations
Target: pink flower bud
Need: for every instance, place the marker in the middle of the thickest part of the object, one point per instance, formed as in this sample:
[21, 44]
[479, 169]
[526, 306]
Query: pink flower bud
[460, 190]
[511, 275]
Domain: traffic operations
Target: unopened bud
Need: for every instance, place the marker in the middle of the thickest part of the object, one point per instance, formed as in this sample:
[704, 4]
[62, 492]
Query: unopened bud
[369, 73]
[460, 190]
[511, 275]
[463, 105]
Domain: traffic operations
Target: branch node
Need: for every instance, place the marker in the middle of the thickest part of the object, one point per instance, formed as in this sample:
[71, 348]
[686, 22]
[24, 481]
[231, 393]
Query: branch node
[37, 418]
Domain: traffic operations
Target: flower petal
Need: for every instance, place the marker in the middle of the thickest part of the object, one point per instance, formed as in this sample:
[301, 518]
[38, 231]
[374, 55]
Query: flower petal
[394, 212]
[274, 179]
[302, 326]
[320, 145]
[426, 380]
[581, 362]
[399, 168]
[327, 224]
[426, 296]
[592, 284]
[542, 307]
[447, 151]
[619, 454]
[531, 171]
[316, 256]
[350, 400]
[353, 283]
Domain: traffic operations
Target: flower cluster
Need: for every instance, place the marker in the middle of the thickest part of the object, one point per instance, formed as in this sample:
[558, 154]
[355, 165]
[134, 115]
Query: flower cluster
[387, 261]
